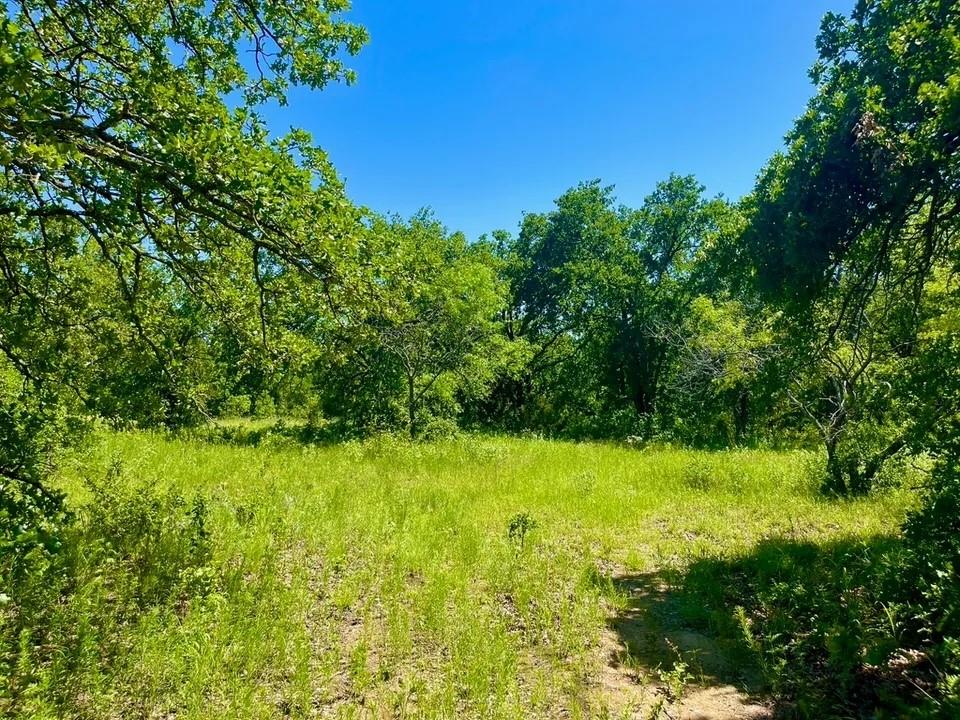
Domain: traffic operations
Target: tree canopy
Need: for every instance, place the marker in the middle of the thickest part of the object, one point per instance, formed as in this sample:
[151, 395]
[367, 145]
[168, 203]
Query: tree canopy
[139, 186]
[165, 258]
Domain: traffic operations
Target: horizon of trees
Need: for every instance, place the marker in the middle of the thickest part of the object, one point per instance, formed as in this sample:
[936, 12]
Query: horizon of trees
[166, 260]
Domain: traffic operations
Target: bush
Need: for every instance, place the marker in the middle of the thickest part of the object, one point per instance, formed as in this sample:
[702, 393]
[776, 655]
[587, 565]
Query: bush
[927, 579]
[131, 552]
[265, 406]
[699, 474]
[439, 428]
[236, 406]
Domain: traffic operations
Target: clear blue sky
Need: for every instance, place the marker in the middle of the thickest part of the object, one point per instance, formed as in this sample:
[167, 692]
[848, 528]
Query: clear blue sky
[484, 110]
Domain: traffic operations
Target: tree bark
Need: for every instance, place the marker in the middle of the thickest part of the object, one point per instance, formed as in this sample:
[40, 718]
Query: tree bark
[741, 415]
[411, 405]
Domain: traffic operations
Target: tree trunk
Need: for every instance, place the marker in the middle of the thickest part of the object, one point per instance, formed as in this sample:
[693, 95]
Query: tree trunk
[835, 483]
[741, 415]
[863, 482]
[411, 405]
[856, 477]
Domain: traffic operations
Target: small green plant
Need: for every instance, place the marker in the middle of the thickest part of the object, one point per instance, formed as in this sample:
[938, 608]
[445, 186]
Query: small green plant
[699, 475]
[675, 679]
[658, 709]
[674, 682]
[520, 524]
[360, 675]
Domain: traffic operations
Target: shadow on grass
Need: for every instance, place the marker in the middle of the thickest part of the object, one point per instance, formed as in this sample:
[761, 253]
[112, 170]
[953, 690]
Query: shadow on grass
[657, 629]
[282, 433]
[801, 622]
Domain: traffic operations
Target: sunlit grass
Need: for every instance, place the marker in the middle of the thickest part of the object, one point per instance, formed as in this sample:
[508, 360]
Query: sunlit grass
[380, 577]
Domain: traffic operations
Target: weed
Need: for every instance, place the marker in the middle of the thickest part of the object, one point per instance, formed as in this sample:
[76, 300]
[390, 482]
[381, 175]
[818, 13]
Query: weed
[699, 475]
[520, 524]
[677, 677]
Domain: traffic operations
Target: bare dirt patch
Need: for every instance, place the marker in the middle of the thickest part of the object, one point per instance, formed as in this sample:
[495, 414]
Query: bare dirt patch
[654, 666]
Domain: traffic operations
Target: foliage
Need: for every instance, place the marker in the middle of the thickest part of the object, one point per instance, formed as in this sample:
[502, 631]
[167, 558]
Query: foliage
[927, 582]
[598, 294]
[165, 259]
[520, 524]
[131, 556]
[142, 202]
[431, 340]
[851, 225]
[850, 629]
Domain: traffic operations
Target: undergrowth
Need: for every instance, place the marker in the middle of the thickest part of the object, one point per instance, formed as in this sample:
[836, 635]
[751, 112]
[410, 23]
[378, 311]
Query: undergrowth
[462, 578]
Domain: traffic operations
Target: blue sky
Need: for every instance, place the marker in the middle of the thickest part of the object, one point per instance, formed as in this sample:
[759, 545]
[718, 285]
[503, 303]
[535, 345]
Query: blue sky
[484, 110]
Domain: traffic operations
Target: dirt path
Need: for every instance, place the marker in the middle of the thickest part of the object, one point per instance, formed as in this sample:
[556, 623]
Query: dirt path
[655, 667]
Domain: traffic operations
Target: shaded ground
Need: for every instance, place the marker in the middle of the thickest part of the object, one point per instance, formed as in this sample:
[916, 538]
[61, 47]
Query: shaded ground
[658, 666]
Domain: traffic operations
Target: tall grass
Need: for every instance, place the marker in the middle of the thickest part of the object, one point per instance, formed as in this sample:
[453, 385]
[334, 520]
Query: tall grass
[383, 578]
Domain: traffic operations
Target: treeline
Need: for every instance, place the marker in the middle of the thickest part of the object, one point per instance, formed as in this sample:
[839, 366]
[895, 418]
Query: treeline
[166, 261]
[594, 321]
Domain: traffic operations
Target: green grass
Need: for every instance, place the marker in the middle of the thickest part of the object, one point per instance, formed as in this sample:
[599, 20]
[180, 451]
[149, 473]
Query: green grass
[379, 579]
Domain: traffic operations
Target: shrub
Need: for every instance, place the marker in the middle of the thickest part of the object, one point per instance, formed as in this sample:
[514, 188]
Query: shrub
[926, 578]
[699, 474]
[265, 406]
[236, 406]
[130, 553]
[439, 428]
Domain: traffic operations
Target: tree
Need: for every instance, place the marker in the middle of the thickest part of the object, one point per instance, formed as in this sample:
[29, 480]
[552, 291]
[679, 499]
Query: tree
[669, 234]
[595, 290]
[430, 339]
[722, 353]
[131, 130]
[558, 268]
[849, 225]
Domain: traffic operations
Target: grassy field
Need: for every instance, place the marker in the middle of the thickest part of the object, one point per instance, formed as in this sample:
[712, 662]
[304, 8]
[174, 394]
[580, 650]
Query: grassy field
[482, 577]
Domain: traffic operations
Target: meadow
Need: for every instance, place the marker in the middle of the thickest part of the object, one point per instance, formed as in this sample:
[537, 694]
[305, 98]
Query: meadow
[475, 577]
